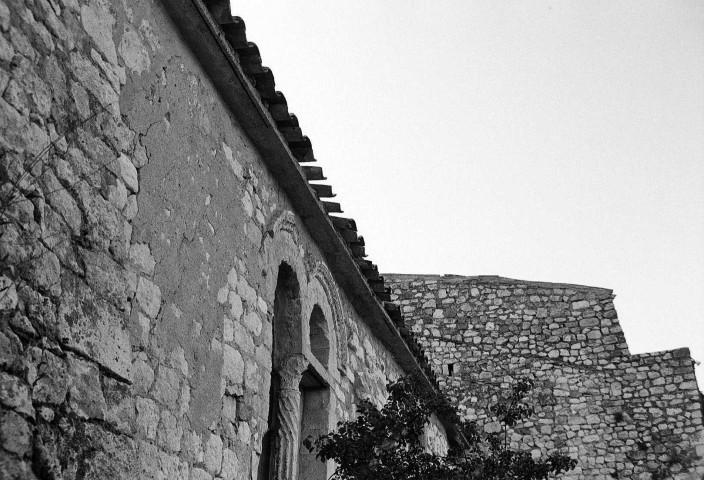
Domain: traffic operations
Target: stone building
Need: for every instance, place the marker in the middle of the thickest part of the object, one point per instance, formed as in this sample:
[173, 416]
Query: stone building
[621, 415]
[176, 301]
[179, 298]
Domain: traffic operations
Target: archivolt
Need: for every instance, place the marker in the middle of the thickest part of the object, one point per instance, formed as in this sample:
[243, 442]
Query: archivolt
[322, 274]
[280, 243]
[284, 221]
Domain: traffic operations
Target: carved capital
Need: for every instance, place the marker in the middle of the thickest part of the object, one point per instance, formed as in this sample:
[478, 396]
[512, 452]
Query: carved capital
[291, 371]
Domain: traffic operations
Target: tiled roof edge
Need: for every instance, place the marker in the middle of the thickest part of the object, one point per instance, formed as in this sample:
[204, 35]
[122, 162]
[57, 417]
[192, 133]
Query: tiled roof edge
[261, 80]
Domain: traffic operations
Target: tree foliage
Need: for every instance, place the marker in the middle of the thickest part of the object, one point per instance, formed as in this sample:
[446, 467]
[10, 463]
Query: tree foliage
[386, 443]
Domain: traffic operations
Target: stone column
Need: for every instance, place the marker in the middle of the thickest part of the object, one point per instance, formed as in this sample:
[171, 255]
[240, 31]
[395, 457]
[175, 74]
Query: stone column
[289, 417]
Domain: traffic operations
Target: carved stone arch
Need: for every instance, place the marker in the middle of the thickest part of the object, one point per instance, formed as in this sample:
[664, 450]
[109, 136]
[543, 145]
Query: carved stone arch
[299, 400]
[282, 221]
[338, 341]
[281, 243]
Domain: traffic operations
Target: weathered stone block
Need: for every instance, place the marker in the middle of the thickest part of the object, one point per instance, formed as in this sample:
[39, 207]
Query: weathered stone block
[85, 392]
[131, 209]
[7, 52]
[93, 327]
[134, 52]
[253, 323]
[105, 276]
[169, 432]
[149, 297]
[141, 257]
[147, 417]
[230, 465]
[13, 468]
[37, 91]
[4, 17]
[200, 474]
[114, 74]
[121, 410]
[10, 348]
[15, 433]
[126, 170]
[8, 294]
[142, 376]
[589, 322]
[213, 454]
[156, 464]
[21, 43]
[45, 270]
[89, 76]
[233, 366]
[15, 394]
[115, 192]
[580, 305]
[105, 225]
[166, 388]
[192, 447]
[51, 385]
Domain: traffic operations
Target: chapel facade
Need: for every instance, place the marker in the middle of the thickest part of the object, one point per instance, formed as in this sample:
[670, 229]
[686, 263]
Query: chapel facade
[177, 301]
[180, 298]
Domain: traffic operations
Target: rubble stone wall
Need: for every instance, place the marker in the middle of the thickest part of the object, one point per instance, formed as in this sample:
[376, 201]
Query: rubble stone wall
[620, 415]
[141, 241]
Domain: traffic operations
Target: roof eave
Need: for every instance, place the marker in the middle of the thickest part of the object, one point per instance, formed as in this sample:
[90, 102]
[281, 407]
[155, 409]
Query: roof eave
[216, 56]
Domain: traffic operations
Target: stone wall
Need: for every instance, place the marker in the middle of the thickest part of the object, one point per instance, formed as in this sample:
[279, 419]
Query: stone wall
[140, 256]
[142, 241]
[621, 415]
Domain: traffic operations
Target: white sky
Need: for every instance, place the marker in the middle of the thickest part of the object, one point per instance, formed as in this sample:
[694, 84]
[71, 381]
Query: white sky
[539, 140]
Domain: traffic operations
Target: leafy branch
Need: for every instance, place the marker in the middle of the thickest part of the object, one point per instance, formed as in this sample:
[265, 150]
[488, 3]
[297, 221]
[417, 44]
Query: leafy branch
[385, 444]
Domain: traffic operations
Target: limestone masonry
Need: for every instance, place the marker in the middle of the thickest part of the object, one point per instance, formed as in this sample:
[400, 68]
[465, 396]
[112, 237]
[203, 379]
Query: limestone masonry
[176, 302]
[178, 299]
[622, 415]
